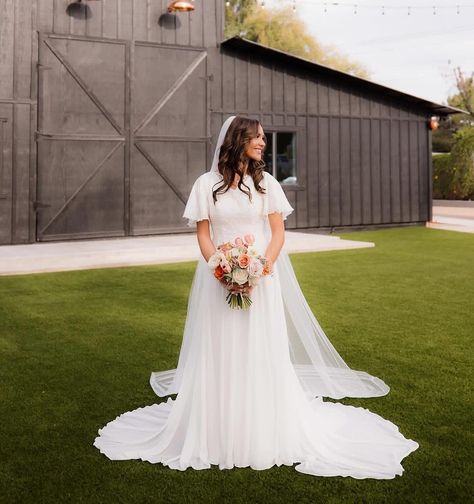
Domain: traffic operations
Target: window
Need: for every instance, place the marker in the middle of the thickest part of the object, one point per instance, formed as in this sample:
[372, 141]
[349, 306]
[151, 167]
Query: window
[281, 145]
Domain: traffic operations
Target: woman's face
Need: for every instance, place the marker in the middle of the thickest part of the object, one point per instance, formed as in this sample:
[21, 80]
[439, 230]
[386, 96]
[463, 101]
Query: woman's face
[255, 146]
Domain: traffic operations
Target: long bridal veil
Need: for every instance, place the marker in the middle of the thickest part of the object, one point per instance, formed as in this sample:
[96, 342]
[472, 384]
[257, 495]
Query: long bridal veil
[319, 367]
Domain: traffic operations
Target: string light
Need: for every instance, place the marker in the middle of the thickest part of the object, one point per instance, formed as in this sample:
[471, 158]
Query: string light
[384, 8]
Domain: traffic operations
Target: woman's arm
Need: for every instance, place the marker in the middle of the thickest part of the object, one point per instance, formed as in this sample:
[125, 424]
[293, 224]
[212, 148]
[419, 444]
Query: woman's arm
[204, 239]
[277, 226]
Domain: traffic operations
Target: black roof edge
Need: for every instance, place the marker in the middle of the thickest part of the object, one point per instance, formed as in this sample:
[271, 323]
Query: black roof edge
[435, 108]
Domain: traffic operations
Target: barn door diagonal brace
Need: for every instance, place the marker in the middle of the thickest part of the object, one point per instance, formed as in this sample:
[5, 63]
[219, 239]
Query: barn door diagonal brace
[165, 98]
[160, 172]
[84, 86]
[79, 189]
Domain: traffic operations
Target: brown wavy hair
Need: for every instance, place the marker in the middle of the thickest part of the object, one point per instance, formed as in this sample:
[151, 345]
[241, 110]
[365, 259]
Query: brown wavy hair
[240, 132]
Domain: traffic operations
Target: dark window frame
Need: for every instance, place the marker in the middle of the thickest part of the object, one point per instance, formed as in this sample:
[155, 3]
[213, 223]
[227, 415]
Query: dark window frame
[298, 131]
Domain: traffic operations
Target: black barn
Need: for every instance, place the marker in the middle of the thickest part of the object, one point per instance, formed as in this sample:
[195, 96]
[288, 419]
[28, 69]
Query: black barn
[106, 121]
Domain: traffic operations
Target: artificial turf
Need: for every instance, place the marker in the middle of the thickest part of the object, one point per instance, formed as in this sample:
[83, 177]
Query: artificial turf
[77, 349]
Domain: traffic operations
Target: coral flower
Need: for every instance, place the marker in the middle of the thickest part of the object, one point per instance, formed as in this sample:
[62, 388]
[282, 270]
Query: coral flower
[219, 273]
[243, 260]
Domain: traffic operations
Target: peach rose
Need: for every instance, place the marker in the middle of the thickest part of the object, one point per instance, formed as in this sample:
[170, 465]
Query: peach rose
[249, 239]
[243, 260]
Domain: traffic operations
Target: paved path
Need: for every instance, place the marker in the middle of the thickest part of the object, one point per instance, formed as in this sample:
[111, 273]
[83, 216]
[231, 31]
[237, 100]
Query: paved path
[452, 217]
[114, 252]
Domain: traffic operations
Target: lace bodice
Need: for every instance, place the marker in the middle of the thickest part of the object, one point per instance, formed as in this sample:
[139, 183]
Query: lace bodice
[234, 214]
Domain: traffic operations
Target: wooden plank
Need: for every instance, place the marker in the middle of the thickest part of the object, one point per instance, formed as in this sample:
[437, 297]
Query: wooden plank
[334, 100]
[345, 172]
[365, 106]
[94, 22]
[21, 155]
[375, 170]
[395, 199]
[366, 171]
[22, 45]
[425, 181]
[302, 172]
[196, 24]
[356, 171]
[312, 134]
[334, 172]
[157, 32]
[324, 168]
[265, 87]
[404, 171]
[385, 170]
[109, 18]
[354, 101]
[125, 19]
[209, 21]
[228, 82]
[45, 9]
[289, 95]
[323, 99]
[61, 21]
[6, 179]
[277, 90]
[140, 31]
[241, 82]
[253, 76]
[312, 97]
[183, 33]
[413, 167]
[7, 48]
[344, 102]
[301, 95]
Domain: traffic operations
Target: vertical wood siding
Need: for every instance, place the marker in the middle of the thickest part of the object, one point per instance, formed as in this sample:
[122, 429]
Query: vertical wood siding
[362, 158]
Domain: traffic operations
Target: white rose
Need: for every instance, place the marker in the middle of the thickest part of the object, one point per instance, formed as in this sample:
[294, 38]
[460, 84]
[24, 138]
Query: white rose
[255, 268]
[235, 252]
[215, 259]
[252, 251]
[240, 276]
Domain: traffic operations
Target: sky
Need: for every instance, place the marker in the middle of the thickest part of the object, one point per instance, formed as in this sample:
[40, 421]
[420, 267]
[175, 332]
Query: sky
[414, 53]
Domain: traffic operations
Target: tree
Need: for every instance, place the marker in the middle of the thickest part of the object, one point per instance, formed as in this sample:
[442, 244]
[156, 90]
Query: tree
[282, 29]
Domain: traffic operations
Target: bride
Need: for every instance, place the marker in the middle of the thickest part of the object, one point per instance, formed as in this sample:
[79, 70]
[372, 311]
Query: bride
[250, 382]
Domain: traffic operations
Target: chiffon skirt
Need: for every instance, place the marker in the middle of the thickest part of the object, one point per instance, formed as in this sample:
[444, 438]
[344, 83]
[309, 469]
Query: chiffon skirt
[240, 403]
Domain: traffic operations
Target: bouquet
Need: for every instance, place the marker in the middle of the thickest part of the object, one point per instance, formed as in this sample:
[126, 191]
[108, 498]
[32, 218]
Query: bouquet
[239, 267]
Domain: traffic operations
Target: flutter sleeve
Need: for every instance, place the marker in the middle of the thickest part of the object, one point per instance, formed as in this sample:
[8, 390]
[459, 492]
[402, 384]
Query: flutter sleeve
[275, 199]
[197, 206]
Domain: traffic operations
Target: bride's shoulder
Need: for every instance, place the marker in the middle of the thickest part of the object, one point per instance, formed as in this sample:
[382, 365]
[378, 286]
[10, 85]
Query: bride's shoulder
[269, 179]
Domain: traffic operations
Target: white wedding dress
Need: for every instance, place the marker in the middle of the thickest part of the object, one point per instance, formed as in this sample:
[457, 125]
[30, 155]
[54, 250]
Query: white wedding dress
[240, 400]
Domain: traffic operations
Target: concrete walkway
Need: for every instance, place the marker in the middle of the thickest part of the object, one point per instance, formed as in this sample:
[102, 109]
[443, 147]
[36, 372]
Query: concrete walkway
[114, 252]
[453, 216]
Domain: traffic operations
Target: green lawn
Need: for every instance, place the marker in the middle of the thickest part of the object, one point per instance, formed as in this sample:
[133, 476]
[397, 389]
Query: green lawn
[77, 349]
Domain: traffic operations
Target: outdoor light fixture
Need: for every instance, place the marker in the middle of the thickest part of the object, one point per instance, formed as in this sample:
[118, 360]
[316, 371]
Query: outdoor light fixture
[433, 123]
[181, 6]
[79, 9]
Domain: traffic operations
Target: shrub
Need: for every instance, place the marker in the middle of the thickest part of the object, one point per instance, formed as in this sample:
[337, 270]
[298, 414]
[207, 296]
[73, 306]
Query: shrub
[453, 174]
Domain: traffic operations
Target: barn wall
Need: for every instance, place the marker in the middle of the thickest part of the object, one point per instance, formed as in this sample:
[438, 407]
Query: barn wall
[341, 129]
[362, 159]
[20, 22]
